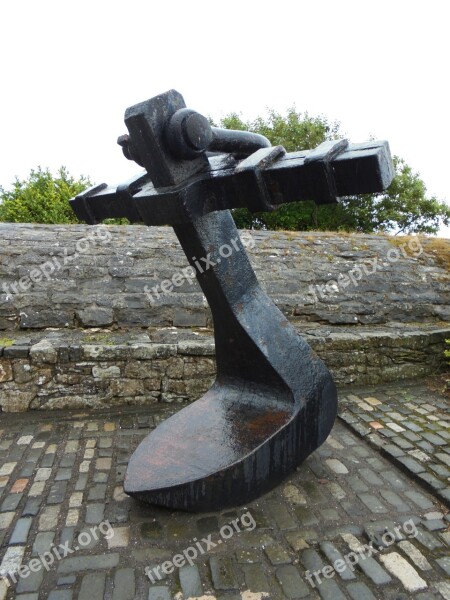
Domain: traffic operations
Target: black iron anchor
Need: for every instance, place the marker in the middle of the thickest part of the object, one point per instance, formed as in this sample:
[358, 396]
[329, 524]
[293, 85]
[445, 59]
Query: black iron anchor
[273, 401]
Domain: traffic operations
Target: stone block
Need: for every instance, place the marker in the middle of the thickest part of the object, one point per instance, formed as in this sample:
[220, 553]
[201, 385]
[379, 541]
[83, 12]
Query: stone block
[106, 372]
[43, 352]
[17, 401]
[6, 372]
[39, 318]
[95, 317]
[127, 387]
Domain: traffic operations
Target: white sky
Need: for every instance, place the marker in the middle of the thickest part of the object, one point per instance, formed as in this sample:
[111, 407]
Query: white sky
[69, 70]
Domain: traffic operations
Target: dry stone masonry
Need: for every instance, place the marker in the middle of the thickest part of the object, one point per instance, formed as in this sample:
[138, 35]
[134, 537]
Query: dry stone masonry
[96, 276]
[80, 324]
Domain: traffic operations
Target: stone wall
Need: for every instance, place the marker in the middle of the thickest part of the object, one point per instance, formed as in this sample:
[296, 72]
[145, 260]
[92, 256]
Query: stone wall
[79, 329]
[60, 276]
[54, 370]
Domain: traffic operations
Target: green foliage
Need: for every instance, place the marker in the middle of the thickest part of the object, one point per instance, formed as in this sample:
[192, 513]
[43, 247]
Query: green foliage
[447, 352]
[295, 131]
[404, 207]
[42, 198]
[121, 221]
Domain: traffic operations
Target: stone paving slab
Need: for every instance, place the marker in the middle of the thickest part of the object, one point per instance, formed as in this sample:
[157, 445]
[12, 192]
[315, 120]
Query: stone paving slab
[347, 524]
[410, 424]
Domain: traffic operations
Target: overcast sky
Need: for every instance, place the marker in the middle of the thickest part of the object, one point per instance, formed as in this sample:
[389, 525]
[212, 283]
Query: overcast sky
[70, 69]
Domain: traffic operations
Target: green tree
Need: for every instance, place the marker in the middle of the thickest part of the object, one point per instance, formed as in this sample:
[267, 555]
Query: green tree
[403, 208]
[42, 198]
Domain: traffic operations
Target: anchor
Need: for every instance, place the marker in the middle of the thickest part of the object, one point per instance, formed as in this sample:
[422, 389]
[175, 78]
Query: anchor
[273, 401]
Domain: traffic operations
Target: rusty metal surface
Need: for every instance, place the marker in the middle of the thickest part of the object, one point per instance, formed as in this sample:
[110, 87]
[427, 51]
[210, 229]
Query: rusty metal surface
[274, 401]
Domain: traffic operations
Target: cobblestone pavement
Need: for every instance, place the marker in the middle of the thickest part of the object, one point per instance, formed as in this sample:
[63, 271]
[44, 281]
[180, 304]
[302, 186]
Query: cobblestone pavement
[410, 424]
[61, 480]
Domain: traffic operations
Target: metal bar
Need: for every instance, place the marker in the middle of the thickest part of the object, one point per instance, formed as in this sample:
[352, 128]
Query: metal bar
[359, 169]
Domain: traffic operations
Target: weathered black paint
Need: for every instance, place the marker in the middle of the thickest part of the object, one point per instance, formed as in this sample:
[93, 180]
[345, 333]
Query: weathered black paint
[274, 401]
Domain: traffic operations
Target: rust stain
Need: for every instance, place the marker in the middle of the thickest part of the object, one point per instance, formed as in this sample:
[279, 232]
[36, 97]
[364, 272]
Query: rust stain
[268, 422]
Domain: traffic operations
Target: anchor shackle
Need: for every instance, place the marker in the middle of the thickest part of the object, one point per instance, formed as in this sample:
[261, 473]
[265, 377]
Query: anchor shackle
[188, 134]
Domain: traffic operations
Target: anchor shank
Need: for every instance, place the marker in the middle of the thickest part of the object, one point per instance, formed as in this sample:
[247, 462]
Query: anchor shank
[254, 340]
[229, 283]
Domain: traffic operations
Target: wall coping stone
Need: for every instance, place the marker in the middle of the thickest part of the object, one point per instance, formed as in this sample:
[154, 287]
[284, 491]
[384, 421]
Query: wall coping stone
[123, 344]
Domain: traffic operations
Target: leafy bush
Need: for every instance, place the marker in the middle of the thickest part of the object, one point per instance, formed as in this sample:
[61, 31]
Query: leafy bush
[405, 207]
[42, 198]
